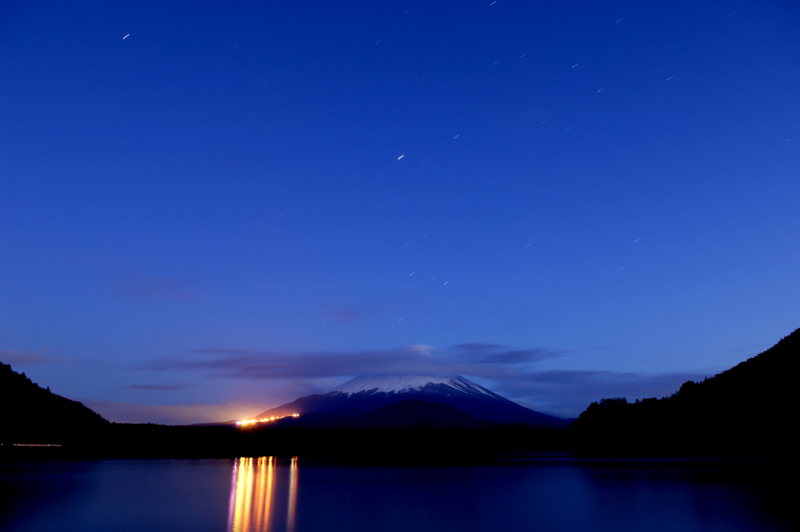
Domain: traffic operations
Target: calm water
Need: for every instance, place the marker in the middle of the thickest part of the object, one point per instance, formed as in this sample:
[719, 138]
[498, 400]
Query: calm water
[267, 494]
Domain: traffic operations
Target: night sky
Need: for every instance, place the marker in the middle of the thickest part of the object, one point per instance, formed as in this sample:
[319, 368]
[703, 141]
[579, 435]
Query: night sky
[210, 209]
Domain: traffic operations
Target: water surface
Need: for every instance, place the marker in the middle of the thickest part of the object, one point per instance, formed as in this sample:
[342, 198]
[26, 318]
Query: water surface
[268, 494]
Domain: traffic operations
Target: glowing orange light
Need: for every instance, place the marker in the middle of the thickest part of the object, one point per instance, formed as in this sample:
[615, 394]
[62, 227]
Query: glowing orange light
[245, 422]
[258, 488]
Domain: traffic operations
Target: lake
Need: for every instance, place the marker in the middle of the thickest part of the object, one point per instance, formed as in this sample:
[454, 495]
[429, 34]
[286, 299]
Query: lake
[268, 494]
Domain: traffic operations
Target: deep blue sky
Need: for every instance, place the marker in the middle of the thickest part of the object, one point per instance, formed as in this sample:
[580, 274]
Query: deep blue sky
[605, 193]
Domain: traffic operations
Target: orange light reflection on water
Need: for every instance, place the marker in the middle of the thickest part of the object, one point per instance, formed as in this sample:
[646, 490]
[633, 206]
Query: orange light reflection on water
[290, 511]
[257, 485]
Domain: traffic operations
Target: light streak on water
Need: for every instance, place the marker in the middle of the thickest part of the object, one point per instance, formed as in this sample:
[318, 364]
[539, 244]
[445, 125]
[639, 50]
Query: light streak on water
[290, 510]
[257, 487]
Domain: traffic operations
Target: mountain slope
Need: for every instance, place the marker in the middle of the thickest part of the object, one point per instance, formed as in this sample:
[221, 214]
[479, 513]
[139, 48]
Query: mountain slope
[368, 393]
[414, 412]
[748, 409]
[31, 414]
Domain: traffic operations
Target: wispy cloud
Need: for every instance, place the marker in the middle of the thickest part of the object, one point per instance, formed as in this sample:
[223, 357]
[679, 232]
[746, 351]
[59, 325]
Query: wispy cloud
[488, 361]
[154, 288]
[181, 414]
[398, 304]
[159, 387]
[342, 314]
[514, 373]
[24, 358]
[753, 349]
[501, 355]
[567, 392]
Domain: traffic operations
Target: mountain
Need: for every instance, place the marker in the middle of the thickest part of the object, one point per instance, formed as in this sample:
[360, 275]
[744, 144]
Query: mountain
[413, 413]
[31, 414]
[750, 409]
[365, 394]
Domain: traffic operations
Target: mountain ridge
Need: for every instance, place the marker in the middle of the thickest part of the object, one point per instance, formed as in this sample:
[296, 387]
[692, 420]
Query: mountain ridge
[748, 409]
[38, 415]
[363, 394]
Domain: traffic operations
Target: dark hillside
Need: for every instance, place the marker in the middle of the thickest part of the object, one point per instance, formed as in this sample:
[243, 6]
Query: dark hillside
[31, 414]
[414, 412]
[750, 409]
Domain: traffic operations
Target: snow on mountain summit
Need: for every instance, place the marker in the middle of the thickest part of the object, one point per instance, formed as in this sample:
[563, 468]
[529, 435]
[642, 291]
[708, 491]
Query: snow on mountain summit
[369, 393]
[408, 383]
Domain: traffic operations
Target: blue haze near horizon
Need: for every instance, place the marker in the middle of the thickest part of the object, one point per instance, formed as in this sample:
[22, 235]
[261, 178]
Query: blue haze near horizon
[610, 188]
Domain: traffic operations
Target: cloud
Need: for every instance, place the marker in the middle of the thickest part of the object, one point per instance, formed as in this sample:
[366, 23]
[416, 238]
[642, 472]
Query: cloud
[153, 288]
[341, 314]
[752, 349]
[514, 373]
[567, 393]
[159, 387]
[181, 414]
[488, 361]
[396, 305]
[22, 358]
[475, 346]
[498, 354]
[254, 364]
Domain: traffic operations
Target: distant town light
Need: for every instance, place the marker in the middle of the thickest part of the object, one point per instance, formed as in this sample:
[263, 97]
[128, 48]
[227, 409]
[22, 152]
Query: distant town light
[246, 422]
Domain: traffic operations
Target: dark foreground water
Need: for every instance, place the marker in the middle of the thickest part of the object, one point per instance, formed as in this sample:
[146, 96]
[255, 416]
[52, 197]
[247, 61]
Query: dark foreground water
[267, 494]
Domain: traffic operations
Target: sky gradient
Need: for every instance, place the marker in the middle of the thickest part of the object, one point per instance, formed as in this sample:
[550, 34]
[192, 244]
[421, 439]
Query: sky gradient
[207, 210]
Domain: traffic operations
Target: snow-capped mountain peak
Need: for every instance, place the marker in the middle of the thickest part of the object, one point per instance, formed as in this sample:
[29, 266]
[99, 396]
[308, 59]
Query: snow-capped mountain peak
[408, 383]
[369, 393]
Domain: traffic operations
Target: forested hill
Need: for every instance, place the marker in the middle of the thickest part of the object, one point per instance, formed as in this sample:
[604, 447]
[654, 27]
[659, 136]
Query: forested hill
[750, 409]
[31, 414]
